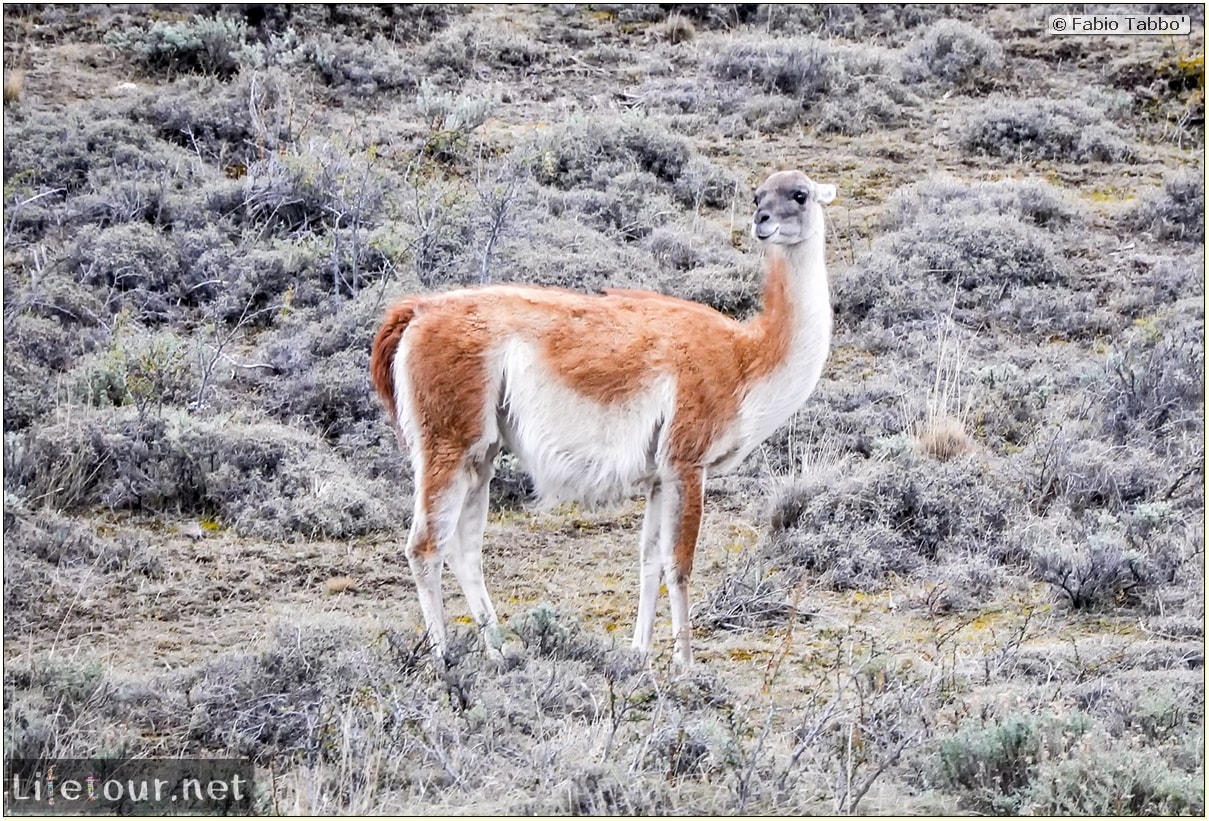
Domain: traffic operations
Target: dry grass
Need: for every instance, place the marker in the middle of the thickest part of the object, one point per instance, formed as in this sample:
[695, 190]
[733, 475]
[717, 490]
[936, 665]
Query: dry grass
[14, 85]
[942, 432]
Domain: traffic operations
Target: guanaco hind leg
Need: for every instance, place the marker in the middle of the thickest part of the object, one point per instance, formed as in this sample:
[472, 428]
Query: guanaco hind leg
[424, 558]
[448, 529]
[466, 553]
[650, 571]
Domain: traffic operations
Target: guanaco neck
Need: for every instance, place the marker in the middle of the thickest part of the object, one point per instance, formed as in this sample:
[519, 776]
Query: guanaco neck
[791, 337]
[796, 322]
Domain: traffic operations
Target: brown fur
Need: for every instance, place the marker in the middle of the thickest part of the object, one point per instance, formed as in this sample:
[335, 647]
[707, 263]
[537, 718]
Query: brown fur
[382, 354]
[607, 347]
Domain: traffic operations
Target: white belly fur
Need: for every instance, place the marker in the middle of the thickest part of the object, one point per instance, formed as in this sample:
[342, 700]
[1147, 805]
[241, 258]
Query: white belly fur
[577, 449]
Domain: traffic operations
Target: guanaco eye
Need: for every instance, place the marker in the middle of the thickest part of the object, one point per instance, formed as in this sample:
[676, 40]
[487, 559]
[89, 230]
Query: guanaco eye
[800, 197]
[755, 199]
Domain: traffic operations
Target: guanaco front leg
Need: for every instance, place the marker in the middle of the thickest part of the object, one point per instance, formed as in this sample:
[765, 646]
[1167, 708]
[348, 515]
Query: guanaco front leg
[650, 570]
[681, 522]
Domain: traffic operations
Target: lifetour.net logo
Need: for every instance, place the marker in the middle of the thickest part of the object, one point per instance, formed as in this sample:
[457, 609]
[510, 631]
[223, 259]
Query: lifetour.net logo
[108, 786]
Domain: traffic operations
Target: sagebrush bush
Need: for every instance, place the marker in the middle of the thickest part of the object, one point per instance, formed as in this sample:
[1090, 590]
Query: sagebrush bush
[1155, 383]
[836, 88]
[1039, 128]
[143, 369]
[596, 789]
[1031, 200]
[854, 525]
[271, 702]
[1116, 782]
[1011, 403]
[978, 253]
[629, 206]
[591, 152]
[49, 706]
[594, 151]
[51, 150]
[137, 267]
[864, 21]
[953, 52]
[209, 45]
[802, 68]
[357, 67]
[60, 541]
[1176, 213]
[993, 766]
[1084, 473]
[545, 634]
[325, 185]
[939, 263]
[232, 123]
[457, 50]
[37, 348]
[1101, 572]
[394, 22]
[263, 480]
[685, 247]
[569, 254]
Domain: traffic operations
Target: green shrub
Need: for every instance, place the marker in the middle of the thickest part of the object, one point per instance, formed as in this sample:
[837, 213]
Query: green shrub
[979, 253]
[208, 45]
[993, 765]
[357, 67]
[974, 265]
[277, 701]
[231, 124]
[802, 68]
[62, 542]
[591, 152]
[73, 151]
[37, 349]
[893, 22]
[1094, 574]
[1155, 383]
[1031, 200]
[546, 634]
[323, 186]
[629, 207]
[1114, 782]
[458, 49]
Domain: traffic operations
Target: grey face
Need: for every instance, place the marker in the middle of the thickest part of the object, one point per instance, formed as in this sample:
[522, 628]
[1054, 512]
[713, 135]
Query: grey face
[787, 207]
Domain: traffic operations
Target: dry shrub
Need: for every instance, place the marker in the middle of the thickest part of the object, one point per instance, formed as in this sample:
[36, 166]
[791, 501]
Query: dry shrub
[595, 152]
[836, 88]
[1043, 129]
[953, 52]
[1178, 212]
[854, 523]
[14, 85]
[262, 479]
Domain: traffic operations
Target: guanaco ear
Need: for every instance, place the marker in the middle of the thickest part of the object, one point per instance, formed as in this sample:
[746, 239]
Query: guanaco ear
[825, 192]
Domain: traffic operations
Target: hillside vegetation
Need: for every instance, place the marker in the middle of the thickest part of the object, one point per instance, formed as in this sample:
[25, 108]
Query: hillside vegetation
[967, 578]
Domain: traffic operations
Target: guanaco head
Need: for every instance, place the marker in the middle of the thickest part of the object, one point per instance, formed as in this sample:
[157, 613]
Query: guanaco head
[787, 208]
